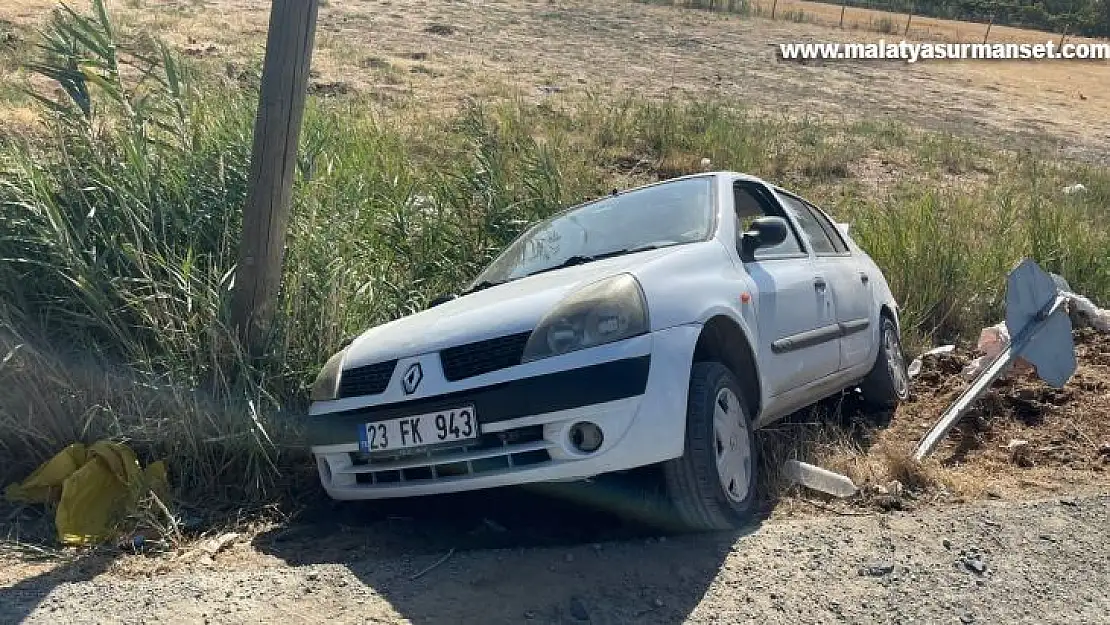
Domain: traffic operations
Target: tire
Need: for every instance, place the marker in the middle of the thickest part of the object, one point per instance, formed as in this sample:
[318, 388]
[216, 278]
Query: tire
[888, 383]
[693, 484]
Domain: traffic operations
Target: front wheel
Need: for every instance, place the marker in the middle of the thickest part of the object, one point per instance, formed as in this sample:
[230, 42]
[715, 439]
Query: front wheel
[888, 383]
[712, 486]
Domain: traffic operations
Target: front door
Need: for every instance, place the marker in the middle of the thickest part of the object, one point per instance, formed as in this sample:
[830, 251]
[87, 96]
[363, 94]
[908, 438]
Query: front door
[795, 312]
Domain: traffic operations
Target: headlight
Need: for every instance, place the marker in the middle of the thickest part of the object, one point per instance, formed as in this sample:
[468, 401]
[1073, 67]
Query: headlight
[326, 386]
[609, 310]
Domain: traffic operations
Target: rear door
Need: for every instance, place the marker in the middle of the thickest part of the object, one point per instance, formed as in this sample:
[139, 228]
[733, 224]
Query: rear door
[794, 310]
[850, 286]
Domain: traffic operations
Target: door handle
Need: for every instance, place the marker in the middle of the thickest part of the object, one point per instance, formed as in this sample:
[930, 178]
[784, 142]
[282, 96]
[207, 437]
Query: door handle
[820, 284]
[864, 278]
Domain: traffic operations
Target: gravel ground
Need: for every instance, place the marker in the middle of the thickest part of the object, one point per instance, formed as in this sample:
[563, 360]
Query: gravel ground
[1033, 562]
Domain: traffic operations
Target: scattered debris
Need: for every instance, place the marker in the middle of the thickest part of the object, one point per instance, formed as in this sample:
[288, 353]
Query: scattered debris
[819, 479]
[876, 570]
[1085, 313]
[1020, 452]
[973, 562]
[92, 487]
[215, 545]
[915, 367]
[1072, 189]
[992, 341]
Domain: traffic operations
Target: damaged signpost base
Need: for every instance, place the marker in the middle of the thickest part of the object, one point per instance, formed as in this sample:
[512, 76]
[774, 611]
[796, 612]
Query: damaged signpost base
[1037, 319]
[819, 479]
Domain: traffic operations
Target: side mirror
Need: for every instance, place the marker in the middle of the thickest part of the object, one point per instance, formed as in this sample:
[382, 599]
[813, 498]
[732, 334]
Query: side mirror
[764, 232]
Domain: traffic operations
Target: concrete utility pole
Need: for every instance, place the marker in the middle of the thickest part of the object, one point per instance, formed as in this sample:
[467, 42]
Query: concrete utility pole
[273, 160]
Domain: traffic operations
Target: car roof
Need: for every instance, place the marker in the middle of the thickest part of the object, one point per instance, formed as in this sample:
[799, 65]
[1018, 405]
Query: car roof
[703, 174]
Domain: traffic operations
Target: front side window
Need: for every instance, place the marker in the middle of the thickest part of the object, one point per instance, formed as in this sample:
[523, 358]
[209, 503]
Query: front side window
[670, 213]
[749, 207]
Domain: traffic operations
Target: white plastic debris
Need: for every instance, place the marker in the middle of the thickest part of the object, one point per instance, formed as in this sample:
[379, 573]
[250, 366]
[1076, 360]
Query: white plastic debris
[1098, 318]
[1072, 189]
[819, 479]
[915, 367]
[706, 164]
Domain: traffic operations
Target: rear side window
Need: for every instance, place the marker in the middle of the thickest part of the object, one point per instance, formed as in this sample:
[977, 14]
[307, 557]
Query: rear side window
[819, 240]
[830, 228]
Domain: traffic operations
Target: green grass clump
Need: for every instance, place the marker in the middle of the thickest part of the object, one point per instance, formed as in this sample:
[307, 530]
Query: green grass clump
[121, 222]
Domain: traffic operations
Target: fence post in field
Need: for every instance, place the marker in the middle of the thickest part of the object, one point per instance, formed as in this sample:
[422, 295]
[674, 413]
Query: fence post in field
[843, 5]
[909, 16]
[774, 5]
[988, 33]
[273, 161]
[1063, 36]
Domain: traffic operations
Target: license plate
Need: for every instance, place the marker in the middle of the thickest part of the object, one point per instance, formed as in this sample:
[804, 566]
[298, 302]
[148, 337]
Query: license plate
[433, 428]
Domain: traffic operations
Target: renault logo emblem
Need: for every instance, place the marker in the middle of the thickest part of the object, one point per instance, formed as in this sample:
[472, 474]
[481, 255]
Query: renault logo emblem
[413, 375]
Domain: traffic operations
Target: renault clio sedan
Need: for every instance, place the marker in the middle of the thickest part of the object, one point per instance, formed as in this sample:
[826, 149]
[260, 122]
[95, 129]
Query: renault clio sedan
[657, 326]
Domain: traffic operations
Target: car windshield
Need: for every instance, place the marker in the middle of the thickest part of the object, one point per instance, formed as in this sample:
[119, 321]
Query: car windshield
[666, 214]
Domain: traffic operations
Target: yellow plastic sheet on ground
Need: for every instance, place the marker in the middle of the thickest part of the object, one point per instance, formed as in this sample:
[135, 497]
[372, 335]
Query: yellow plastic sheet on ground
[94, 487]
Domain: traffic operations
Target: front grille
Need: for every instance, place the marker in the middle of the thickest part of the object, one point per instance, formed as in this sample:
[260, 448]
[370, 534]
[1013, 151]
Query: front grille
[501, 450]
[523, 397]
[467, 361]
[366, 380]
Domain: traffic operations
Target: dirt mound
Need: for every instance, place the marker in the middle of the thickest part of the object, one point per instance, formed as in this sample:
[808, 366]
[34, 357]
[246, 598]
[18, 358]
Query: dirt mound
[1020, 422]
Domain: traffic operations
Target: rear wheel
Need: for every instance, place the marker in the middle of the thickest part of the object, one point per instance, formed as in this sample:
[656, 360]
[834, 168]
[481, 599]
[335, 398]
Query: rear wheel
[887, 383]
[712, 486]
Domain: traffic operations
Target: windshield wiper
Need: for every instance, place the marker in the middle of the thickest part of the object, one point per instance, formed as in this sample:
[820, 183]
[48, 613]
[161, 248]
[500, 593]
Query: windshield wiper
[484, 284]
[579, 259]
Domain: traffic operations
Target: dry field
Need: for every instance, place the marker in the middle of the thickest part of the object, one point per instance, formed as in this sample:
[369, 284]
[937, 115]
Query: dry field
[424, 54]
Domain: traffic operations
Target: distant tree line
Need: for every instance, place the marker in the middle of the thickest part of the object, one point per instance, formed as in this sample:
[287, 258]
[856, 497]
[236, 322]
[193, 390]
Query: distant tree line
[1081, 17]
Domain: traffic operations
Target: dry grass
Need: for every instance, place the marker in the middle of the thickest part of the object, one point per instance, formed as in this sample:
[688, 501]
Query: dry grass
[574, 48]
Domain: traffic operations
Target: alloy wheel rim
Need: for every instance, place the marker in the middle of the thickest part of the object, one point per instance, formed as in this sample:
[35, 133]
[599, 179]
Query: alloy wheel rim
[732, 448]
[895, 362]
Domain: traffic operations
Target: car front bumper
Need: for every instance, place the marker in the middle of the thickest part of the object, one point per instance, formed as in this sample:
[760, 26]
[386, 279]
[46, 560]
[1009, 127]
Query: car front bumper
[635, 390]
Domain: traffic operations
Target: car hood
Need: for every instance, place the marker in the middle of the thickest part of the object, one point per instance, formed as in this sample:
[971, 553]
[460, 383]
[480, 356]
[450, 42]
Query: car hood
[501, 310]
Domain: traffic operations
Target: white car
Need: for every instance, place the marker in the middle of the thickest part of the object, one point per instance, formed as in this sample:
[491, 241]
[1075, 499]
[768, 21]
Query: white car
[659, 325]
